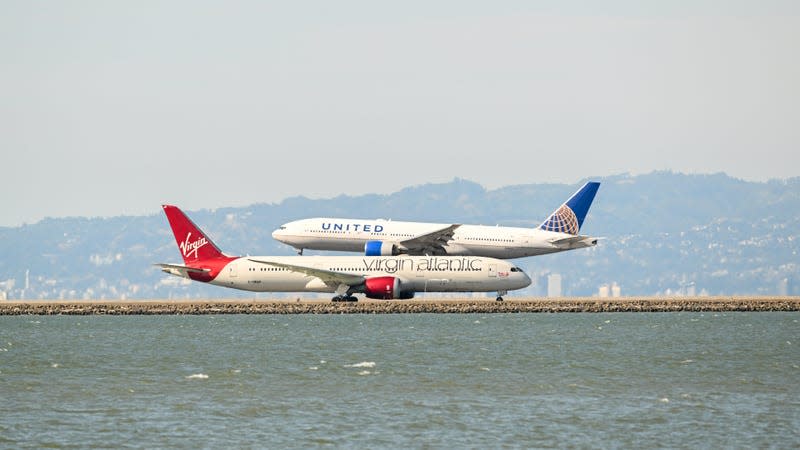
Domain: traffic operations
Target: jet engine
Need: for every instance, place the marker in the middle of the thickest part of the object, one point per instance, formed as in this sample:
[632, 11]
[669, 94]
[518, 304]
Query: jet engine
[381, 248]
[385, 288]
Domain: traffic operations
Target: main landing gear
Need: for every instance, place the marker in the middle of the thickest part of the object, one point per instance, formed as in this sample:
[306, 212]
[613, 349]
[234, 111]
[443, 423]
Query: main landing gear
[345, 298]
[500, 295]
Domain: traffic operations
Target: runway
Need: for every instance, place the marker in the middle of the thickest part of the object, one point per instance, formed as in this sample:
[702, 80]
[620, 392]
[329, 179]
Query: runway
[444, 305]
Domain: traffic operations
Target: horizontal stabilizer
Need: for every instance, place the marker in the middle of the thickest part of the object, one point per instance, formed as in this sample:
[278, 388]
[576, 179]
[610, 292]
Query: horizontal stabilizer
[573, 242]
[181, 268]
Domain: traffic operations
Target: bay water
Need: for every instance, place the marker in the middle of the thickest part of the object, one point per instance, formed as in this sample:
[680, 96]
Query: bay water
[622, 380]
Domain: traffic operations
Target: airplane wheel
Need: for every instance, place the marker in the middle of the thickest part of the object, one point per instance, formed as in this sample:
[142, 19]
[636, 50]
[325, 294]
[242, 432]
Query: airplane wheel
[352, 298]
[499, 299]
[336, 299]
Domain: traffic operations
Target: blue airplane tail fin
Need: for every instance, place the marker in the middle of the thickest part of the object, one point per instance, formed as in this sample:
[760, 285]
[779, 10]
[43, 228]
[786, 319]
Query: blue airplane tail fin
[568, 218]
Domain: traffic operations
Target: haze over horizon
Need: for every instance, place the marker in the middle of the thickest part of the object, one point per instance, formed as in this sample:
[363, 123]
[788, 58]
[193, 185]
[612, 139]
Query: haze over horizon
[115, 108]
[614, 178]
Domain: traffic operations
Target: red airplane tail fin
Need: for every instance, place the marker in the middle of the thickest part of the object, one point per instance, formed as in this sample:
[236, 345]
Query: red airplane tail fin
[194, 245]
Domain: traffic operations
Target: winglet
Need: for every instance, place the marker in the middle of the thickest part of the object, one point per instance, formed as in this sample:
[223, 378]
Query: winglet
[568, 218]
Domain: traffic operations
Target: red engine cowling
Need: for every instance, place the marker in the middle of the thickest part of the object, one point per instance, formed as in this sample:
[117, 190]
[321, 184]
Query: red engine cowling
[385, 288]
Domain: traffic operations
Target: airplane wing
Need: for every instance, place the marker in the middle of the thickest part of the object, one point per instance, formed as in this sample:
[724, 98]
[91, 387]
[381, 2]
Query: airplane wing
[431, 243]
[181, 268]
[329, 277]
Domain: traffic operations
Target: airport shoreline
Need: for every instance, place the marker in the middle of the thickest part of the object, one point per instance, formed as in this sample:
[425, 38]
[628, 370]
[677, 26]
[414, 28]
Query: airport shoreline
[442, 306]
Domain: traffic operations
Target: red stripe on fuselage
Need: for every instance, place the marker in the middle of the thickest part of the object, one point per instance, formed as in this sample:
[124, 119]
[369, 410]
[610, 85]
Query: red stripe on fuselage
[215, 267]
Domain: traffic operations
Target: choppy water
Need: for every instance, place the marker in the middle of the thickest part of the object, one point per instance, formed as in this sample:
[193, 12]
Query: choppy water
[362, 381]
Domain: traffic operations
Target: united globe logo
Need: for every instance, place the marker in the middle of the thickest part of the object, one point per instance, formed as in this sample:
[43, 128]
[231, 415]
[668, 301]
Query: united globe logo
[562, 221]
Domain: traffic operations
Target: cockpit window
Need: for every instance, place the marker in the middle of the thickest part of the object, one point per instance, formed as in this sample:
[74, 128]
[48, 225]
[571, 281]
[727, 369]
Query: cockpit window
[516, 269]
[283, 227]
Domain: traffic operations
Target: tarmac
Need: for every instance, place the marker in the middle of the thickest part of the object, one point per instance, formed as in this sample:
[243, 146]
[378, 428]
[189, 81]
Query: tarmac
[366, 306]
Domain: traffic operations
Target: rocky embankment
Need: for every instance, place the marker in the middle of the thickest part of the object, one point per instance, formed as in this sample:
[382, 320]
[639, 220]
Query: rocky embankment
[458, 306]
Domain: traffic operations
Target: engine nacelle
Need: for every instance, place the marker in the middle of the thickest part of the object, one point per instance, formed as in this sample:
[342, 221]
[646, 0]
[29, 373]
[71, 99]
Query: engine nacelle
[381, 248]
[386, 288]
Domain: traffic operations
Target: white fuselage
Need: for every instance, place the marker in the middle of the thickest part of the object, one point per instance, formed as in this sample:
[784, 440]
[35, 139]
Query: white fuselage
[417, 273]
[468, 240]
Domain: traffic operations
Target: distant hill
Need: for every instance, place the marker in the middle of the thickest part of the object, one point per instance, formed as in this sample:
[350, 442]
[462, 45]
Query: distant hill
[664, 233]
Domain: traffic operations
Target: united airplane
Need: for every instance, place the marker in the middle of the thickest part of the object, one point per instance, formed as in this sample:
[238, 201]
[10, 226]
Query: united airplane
[559, 232]
[387, 277]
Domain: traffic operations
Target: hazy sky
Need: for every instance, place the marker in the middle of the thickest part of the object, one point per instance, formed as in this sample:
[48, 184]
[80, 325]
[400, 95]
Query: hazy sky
[111, 107]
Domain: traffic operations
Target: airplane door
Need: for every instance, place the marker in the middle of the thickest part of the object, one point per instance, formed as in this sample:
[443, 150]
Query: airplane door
[232, 270]
[492, 270]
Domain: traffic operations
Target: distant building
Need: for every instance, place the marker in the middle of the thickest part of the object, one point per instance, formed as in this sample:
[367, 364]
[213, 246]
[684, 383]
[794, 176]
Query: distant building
[783, 287]
[605, 291]
[7, 285]
[554, 285]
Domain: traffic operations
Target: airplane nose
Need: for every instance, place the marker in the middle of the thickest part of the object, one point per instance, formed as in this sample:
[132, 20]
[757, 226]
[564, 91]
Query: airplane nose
[526, 280]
